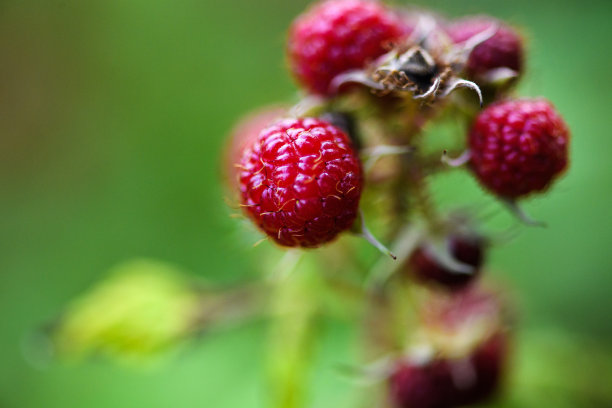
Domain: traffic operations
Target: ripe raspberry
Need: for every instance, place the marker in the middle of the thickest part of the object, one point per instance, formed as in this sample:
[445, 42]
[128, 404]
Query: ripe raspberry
[301, 182]
[242, 135]
[518, 147]
[339, 35]
[451, 381]
[468, 250]
[503, 50]
[466, 354]
[413, 385]
[487, 364]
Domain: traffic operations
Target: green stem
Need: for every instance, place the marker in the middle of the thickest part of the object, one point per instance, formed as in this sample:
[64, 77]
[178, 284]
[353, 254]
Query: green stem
[292, 335]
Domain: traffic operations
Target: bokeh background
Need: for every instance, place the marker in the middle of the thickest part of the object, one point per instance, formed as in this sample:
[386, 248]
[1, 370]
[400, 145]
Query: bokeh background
[112, 117]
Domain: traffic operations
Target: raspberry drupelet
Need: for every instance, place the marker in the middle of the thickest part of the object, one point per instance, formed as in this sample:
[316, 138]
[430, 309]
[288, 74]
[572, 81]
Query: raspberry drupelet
[301, 181]
[518, 147]
[339, 35]
[503, 50]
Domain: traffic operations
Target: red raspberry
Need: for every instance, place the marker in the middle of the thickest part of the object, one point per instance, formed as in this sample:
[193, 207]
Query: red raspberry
[301, 182]
[446, 382]
[468, 250]
[243, 135]
[336, 36]
[487, 364]
[503, 50]
[414, 385]
[518, 147]
[466, 356]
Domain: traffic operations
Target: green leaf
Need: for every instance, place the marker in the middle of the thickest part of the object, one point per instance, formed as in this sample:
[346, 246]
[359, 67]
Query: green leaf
[141, 308]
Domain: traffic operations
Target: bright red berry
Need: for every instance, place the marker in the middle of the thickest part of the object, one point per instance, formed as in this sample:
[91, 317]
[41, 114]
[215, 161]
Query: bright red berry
[339, 35]
[243, 135]
[503, 50]
[518, 147]
[464, 249]
[301, 181]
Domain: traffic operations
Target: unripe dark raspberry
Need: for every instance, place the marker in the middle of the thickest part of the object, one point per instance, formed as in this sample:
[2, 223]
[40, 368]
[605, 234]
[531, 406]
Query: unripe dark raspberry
[464, 249]
[518, 147]
[339, 35]
[503, 50]
[301, 182]
[243, 135]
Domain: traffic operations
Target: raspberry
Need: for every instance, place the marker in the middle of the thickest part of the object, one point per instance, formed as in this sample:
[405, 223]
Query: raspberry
[446, 382]
[503, 50]
[414, 385]
[518, 147]
[242, 135]
[467, 250]
[336, 36]
[487, 363]
[465, 357]
[301, 182]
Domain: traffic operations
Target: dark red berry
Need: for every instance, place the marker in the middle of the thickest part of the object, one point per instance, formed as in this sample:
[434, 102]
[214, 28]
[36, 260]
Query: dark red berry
[464, 249]
[518, 147]
[465, 358]
[478, 377]
[420, 385]
[336, 36]
[301, 182]
[503, 50]
[451, 381]
[243, 135]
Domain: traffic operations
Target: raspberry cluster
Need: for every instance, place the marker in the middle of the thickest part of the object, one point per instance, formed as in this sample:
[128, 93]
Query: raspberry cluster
[372, 78]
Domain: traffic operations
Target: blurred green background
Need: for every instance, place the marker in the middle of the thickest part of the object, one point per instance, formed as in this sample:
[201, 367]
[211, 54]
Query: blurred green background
[112, 117]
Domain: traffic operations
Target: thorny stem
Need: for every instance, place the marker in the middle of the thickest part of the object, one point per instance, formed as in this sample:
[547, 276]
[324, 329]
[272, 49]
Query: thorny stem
[230, 307]
[422, 197]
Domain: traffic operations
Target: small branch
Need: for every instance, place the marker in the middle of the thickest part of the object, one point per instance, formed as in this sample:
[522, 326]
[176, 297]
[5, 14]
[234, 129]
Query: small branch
[372, 154]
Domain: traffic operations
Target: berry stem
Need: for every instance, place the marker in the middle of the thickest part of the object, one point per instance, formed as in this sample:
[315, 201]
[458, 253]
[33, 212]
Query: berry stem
[292, 334]
[422, 196]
